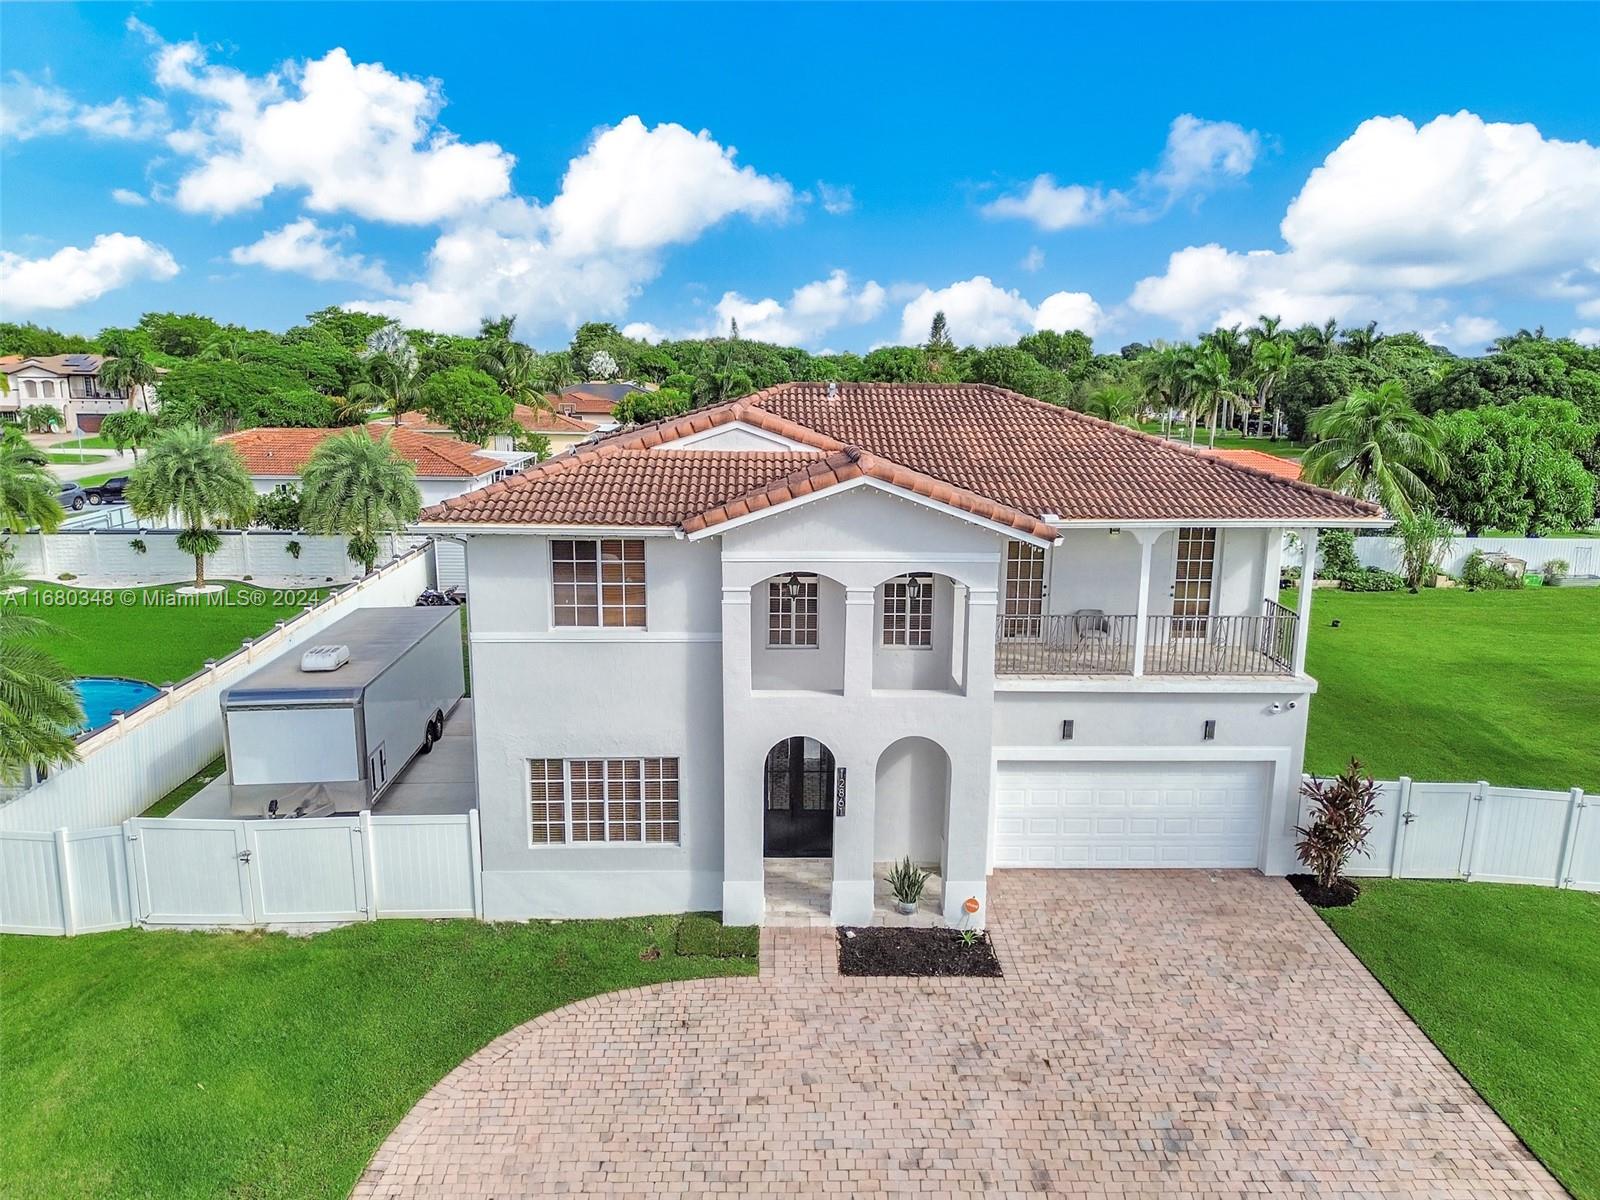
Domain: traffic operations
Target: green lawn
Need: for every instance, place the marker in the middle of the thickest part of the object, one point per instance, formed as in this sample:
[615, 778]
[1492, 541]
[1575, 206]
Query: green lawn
[1505, 980]
[149, 640]
[1283, 447]
[55, 456]
[90, 481]
[256, 1065]
[1457, 685]
[97, 441]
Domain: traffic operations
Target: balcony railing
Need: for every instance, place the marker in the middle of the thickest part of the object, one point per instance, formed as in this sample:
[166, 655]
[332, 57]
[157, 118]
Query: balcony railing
[1095, 643]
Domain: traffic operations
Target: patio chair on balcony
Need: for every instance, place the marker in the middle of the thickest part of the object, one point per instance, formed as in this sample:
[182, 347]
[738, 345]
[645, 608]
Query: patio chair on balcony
[1090, 625]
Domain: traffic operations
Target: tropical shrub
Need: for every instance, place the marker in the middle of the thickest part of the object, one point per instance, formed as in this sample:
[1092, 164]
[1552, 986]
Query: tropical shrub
[1555, 570]
[1341, 821]
[1337, 551]
[1425, 538]
[39, 418]
[1371, 579]
[1480, 575]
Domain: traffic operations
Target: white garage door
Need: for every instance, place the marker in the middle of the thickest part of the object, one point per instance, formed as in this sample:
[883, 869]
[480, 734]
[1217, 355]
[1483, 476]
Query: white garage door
[1129, 814]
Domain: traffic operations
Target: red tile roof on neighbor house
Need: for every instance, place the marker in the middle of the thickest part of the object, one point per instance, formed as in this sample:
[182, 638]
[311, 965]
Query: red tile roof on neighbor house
[986, 450]
[278, 451]
[1284, 468]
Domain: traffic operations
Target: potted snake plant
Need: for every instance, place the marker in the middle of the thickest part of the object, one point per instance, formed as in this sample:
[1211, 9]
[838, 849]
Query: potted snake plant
[906, 882]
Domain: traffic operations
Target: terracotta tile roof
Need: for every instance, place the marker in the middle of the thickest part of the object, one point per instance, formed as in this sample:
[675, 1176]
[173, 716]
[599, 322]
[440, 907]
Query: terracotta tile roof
[982, 448]
[1284, 468]
[586, 403]
[540, 421]
[277, 451]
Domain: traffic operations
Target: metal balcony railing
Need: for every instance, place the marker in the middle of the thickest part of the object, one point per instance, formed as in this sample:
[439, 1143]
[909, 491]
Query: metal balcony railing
[1095, 643]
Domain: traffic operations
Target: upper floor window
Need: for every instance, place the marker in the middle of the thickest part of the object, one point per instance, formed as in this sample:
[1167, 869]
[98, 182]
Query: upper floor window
[908, 611]
[598, 582]
[792, 611]
[1023, 609]
[30, 388]
[47, 387]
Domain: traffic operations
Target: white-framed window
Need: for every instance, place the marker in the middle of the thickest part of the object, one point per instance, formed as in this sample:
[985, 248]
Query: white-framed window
[30, 389]
[598, 582]
[1023, 613]
[908, 611]
[586, 800]
[792, 611]
[47, 388]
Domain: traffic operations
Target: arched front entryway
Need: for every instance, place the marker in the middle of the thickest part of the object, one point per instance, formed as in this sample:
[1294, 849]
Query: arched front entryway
[797, 800]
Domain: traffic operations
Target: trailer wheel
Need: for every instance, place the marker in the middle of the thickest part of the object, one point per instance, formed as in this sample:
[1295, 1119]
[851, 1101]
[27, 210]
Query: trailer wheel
[427, 740]
[438, 724]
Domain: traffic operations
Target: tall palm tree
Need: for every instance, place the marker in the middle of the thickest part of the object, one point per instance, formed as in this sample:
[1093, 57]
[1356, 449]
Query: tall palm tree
[390, 382]
[27, 490]
[187, 472]
[1112, 401]
[1361, 341]
[1212, 386]
[1376, 446]
[1317, 341]
[1164, 381]
[225, 347]
[1266, 329]
[39, 711]
[129, 371]
[357, 485]
[515, 367]
[1269, 363]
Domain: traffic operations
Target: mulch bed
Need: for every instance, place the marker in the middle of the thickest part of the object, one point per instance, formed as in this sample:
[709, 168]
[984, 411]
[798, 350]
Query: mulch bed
[1340, 894]
[917, 952]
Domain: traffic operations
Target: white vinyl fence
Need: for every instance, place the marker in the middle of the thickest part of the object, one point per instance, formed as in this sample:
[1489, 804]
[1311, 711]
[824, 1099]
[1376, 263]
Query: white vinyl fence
[1582, 555]
[130, 764]
[109, 555]
[165, 871]
[1483, 834]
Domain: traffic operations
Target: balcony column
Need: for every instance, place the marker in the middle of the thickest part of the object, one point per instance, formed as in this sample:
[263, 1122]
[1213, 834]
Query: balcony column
[743, 888]
[1141, 621]
[1308, 579]
[860, 608]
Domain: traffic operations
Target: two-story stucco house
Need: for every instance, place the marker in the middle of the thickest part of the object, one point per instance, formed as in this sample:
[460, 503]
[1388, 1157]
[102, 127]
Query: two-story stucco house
[859, 621]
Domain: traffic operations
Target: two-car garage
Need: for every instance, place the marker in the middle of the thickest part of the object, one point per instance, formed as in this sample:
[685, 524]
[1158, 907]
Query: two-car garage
[1130, 814]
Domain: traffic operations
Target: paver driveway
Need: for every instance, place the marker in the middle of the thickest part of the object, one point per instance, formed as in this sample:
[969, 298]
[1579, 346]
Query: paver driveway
[1156, 1034]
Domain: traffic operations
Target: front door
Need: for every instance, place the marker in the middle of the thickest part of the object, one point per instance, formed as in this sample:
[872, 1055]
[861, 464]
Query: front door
[1192, 581]
[798, 798]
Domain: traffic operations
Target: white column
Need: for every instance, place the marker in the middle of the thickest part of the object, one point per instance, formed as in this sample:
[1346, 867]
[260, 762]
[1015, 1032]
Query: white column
[743, 882]
[1141, 622]
[860, 608]
[1308, 576]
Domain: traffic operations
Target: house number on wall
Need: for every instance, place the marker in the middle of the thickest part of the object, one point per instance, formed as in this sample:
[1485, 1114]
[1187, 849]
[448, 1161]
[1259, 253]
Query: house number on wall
[838, 795]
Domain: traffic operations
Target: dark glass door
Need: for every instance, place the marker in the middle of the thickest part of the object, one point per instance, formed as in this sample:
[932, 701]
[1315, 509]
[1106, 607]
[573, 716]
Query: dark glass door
[798, 798]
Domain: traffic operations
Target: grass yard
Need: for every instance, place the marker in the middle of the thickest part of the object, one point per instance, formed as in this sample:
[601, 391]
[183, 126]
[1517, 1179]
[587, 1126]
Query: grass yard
[149, 640]
[70, 457]
[1504, 980]
[258, 1065]
[1283, 447]
[1457, 685]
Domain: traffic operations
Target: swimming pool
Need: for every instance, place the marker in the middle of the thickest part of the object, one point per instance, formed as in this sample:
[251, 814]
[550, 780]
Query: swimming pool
[103, 696]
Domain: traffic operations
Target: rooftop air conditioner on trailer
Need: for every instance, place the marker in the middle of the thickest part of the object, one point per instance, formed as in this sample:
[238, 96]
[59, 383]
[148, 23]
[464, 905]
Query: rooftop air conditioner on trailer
[324, 658]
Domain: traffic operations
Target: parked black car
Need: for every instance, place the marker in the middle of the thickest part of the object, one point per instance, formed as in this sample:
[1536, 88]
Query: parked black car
[109, 492]
[72, 497]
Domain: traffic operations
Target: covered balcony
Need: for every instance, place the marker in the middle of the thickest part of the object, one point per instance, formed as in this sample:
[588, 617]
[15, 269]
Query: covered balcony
[1176, 602]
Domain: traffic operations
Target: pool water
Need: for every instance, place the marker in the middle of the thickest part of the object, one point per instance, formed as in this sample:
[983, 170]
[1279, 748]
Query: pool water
[103, 696]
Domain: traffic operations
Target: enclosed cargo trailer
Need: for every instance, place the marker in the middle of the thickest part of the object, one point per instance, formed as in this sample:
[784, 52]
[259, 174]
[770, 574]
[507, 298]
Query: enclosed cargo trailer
[326, 730]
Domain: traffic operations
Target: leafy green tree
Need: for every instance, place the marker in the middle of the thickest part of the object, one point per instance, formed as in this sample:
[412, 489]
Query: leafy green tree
[279, 509]
[128, 427]
[940, 347]
[1311, 383]
[896, 364]
[637, 408]
[1112, 401]
[1362, 340]
[469, 401]
[390, 383]
[514, 367]
[127, 370]
[1518, 467]
[39, 710]
[1211, 386]
[1067, 352]
[28, 492]
[202, 481]
[355, 484]
[240, 395]
[1375, 446]
[1317, 341]
[343, 326]
[722, 380]
[1008, 367]
[182, 335]
[600, 337]
[39, 418]
[36, 341]
[1555, 367]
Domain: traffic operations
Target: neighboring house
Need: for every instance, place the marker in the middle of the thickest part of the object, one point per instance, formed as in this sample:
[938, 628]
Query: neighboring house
[445, 467]
[1285, 468]
[861, 621]
[69, 383]
[562, 432]
[592, 403]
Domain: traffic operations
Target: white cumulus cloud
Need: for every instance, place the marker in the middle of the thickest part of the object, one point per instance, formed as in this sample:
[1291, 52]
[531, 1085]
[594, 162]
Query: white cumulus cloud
[74, 275]
[633, 193]
[1586, 336]
[31, 108]
[1052, 206]
[810, 313]
[354, 137]
[306, 248]
[1395, 212]
[981, 313]
[837, 199]
[1200, 154]
[129, 197]
[1467, 334]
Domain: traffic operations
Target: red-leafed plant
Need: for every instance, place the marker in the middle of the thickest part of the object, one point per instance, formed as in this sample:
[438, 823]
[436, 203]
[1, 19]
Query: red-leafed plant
[1342, 809]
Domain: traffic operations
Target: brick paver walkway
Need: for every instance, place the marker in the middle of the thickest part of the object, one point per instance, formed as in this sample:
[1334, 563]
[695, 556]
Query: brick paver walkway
[1156, 1034]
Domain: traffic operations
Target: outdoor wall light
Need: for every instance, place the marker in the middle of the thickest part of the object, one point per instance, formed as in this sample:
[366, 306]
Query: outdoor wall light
[792, 587]
[914, 586]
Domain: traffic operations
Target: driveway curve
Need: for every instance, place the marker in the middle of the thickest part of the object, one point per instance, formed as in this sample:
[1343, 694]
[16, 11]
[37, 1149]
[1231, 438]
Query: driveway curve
[1156, 1034]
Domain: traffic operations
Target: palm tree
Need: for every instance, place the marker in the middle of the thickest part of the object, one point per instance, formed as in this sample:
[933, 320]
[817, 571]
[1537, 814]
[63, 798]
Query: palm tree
[388, 382]
[1266, 329]
[128, 428]
[225, 347]
[203, 481]
[1361, 341]
[1211, 381]
[27, 490]
[1270, 362]
[128, 371]
[39, 711]
[514, 366]
[1111, 401]
[1376, 446]
[1317, 341]
[357, 485]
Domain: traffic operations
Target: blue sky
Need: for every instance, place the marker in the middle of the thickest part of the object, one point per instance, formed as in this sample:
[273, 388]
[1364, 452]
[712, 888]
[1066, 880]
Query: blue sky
[828, 174]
